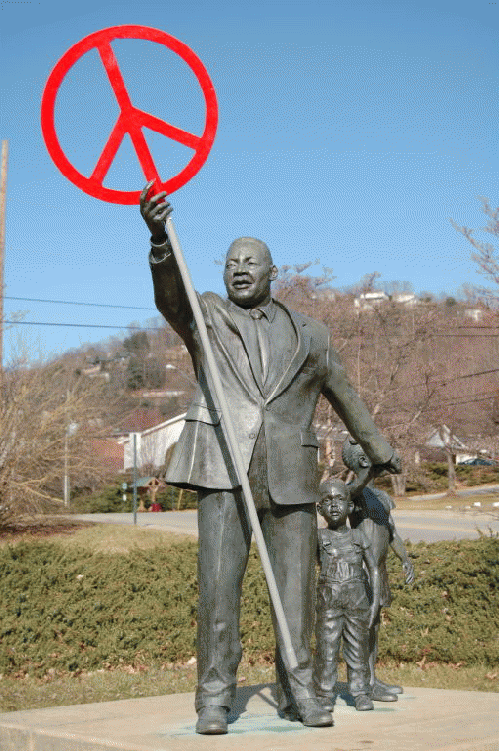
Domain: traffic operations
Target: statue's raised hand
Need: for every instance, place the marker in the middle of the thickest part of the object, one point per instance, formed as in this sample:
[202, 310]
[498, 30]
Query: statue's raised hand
[394, 466]
[155, 211]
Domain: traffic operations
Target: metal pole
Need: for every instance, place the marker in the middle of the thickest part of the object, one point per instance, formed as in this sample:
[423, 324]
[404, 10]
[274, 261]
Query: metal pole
[65, 483]
[135, 478]
[233, 445]
[3, 200]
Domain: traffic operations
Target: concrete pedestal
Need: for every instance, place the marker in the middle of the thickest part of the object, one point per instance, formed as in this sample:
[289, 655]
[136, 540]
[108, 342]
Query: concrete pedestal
[422, 720]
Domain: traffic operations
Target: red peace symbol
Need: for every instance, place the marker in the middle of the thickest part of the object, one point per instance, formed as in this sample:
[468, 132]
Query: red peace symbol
[130, 120]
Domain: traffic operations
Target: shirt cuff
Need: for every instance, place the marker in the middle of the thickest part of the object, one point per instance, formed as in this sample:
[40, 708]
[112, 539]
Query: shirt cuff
[160, 252]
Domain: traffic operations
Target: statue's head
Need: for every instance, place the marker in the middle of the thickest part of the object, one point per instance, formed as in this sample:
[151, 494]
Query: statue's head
[335, 503]
[354, 457]
[248, 272]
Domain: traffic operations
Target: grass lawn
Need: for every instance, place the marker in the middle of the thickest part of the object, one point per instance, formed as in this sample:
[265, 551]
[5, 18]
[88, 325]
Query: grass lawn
[111, 682]
[111, 685]
[459, 503]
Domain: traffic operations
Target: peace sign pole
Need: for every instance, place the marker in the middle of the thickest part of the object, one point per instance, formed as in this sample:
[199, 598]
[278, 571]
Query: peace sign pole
[131, 120]
[232, 444]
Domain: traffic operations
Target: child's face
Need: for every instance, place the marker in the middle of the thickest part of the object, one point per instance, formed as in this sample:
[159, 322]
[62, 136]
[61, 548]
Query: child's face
[335, 506]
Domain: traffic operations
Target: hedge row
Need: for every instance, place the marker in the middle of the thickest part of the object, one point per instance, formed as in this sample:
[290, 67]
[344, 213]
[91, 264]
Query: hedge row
[66, 609]
[109, 499]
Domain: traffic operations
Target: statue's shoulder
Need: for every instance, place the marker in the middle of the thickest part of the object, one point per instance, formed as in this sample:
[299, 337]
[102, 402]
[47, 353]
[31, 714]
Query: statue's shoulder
[316, 328]
[211, 299]
[324, 535]
[359, 538]
[377, 505]
[385, 499]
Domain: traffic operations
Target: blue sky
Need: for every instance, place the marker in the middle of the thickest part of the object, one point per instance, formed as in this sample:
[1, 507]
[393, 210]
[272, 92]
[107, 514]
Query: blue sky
[347, 132]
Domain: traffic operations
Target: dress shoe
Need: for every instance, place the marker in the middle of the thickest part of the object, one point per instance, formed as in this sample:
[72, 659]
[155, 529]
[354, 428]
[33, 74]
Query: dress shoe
[326, 702]
[363, 703]
[313, 715]
[212, 721]
[388, 687]
[379, 694]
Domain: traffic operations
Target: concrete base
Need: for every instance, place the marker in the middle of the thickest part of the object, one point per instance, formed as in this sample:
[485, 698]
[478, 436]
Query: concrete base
[422, 720]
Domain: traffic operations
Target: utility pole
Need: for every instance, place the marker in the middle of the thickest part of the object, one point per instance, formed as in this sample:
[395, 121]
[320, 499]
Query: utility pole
[3, 199]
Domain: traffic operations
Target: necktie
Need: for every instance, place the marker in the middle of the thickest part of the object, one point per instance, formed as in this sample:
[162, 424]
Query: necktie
[262, 334]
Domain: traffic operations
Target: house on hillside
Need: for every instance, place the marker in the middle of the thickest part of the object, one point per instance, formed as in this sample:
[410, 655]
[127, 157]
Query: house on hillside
[434, 448]
[405, 299]
[152, 444]
[370, 300]
[476, 314]
[110, 451]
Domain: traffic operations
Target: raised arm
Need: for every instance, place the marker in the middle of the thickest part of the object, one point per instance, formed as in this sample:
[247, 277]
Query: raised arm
[169, 293]
[155, 211]
[375, 583]
[400, 551]
[351, 409]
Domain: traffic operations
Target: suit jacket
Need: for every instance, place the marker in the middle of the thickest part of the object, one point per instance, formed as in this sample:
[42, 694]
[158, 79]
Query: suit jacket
[201, 458]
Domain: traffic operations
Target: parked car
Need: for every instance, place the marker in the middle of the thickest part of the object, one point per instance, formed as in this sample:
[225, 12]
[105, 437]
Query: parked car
[480, 461]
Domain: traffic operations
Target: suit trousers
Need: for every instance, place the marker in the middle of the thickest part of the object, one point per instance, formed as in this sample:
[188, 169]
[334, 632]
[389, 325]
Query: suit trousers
[290, 533]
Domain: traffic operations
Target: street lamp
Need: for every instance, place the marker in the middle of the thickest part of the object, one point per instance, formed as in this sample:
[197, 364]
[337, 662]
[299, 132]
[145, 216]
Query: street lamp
[68, 433]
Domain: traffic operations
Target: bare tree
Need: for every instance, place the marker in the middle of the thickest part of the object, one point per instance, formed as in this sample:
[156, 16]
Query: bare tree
[386, 353]
[50, 418]
[485, 255]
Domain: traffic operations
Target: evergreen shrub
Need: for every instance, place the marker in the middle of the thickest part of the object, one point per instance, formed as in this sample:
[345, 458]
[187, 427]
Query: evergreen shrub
[68, 610]
[109, 499]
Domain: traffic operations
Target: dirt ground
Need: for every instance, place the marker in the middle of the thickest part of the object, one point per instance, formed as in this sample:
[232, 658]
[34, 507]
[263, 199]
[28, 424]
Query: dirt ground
[40, 527]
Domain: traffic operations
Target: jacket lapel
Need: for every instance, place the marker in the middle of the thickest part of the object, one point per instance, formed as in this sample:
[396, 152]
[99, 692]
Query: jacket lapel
[241, 322]
[244, 325]
[299, 357]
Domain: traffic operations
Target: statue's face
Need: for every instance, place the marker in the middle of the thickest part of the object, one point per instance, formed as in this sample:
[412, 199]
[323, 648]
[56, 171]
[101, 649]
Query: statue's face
[335, 506]
[248, 273]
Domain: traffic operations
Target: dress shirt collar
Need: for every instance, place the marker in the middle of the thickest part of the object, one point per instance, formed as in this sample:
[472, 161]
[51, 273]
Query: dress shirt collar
[269, 310]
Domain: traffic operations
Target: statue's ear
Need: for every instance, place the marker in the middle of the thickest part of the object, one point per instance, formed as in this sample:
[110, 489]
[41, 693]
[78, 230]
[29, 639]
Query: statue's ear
[273, 273]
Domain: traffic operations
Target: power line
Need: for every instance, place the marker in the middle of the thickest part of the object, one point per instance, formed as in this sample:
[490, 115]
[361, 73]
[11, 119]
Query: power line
[484, 396]
[73, 302]
[480, 398]
[442, 381]
[85, 325]
[479, 372]
[477, 336]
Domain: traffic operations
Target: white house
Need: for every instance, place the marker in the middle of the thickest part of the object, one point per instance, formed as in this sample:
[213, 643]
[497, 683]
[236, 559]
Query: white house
[406, 299]
[442, 437]
[370, 300]
[153, 443]
[476, 314]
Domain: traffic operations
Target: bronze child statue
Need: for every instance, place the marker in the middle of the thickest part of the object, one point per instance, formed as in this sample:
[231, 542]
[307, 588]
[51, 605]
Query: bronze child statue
[371, 514]
[343, 610]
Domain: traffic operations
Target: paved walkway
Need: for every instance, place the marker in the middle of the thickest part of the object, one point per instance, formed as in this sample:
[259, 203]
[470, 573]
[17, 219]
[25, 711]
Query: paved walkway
[426, 526]
[422, 720]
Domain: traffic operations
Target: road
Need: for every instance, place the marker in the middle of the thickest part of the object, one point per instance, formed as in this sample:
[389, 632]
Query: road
[432, 526]
[425, 526]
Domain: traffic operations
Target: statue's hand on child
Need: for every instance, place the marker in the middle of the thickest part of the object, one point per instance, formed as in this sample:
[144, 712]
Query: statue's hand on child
[373, 614]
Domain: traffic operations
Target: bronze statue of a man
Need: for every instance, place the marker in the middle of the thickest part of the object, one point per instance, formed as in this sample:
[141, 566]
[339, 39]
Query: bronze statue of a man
[274, 364]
